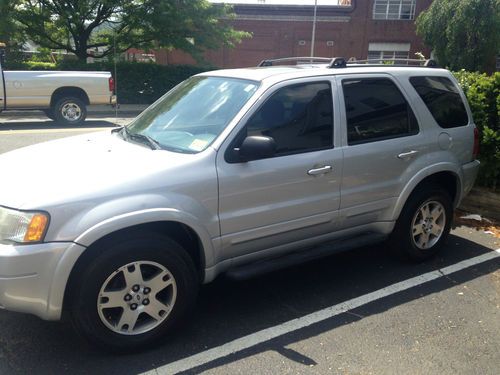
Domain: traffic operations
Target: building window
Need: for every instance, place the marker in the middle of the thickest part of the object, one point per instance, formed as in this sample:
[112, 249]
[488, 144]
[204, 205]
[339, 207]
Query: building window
[388, 51]
[394, 9]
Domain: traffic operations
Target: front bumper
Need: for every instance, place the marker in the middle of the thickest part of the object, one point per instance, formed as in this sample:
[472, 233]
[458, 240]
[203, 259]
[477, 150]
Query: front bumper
[30, 278]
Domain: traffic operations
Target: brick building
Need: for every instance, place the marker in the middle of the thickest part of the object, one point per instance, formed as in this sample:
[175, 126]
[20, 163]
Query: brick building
[359, 28]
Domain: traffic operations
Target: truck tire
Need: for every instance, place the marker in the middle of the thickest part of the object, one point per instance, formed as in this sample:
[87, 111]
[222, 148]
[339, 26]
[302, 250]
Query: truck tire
[49, 113]
[134, 293]
[424, 224]
[70, 111]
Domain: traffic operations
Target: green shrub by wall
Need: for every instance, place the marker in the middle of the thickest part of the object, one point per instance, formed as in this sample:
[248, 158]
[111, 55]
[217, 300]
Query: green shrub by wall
[483, 94]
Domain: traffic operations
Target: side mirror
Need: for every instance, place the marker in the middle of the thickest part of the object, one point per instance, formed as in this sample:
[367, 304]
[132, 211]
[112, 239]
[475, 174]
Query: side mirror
[256, 147]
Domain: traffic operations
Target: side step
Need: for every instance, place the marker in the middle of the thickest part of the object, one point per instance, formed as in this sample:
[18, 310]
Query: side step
[308, 254]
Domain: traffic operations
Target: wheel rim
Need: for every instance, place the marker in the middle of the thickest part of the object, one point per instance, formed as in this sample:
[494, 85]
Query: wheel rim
[137, 298]
[428, 224]
[71, 111]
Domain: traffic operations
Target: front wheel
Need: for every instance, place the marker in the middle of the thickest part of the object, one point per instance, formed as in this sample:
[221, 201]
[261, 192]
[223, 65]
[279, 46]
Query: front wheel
[70, 111]
[424, 224]
[134, 293]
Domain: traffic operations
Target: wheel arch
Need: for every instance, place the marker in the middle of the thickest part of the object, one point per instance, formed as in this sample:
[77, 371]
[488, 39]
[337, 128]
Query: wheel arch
[184, 234]
[69, 91]
[447, 177]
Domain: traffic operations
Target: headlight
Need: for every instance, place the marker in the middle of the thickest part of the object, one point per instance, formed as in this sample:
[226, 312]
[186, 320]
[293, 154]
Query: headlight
[22, 227]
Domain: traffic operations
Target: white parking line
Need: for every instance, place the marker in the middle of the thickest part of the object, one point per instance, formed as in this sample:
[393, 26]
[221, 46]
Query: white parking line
[318, 316]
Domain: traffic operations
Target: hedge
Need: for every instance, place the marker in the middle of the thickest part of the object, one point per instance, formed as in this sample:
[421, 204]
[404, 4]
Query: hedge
[143, 83]
[483, 94]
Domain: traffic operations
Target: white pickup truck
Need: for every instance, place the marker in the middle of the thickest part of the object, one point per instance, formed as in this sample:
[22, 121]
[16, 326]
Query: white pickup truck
[63, 96]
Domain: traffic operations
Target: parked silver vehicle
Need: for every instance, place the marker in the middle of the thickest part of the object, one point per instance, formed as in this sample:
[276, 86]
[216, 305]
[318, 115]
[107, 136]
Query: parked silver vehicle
[233, 171]
[63, 96]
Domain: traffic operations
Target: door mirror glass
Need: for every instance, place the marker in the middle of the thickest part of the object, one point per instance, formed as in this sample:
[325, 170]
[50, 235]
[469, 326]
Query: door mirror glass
[256, 147]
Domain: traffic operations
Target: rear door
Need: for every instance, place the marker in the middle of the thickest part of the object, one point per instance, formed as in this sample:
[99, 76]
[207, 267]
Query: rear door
[293, 195]
[383, 145]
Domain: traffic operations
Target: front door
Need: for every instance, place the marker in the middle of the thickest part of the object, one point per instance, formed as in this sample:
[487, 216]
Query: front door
[294, 194]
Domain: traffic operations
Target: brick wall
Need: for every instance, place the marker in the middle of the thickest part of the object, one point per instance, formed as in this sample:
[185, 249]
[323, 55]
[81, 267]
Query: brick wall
[283, 31]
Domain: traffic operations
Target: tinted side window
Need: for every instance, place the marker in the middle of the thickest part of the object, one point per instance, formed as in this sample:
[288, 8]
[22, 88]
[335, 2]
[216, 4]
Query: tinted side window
[376, 110]
[442, 99]
[298, 117]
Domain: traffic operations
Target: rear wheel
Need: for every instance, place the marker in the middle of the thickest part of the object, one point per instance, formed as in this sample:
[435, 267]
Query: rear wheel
[134, 293]
[70, 111]
[424, 224]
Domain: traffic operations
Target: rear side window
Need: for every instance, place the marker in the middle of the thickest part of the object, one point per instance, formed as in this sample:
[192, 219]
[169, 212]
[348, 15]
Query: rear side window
[442, 99]
[376, 110]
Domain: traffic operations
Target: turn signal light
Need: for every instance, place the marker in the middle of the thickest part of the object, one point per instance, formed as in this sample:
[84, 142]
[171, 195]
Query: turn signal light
[36, 228]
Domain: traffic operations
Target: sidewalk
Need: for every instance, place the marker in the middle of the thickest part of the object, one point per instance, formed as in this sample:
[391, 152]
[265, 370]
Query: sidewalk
[92, 110]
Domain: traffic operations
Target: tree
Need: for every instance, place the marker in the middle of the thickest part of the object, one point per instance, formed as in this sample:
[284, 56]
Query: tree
[464, 34]
[86, 26]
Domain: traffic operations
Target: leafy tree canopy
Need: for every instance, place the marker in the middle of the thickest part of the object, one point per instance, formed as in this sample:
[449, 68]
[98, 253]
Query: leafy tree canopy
[82, 26]
[464, 34]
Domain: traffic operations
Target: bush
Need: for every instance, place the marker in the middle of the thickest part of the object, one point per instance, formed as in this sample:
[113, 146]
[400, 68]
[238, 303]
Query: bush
[483, 94]
[31, 65]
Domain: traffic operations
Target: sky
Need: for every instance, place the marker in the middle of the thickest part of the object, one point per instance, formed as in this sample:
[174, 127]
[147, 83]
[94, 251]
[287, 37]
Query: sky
[279, 2]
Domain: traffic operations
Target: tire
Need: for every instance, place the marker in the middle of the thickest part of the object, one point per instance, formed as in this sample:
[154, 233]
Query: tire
[424, 224]
[49, 113]
[102, 287]
[70, 111]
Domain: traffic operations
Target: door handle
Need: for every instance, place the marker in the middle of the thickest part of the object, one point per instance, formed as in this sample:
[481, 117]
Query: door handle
[408, 154]
[318, 171]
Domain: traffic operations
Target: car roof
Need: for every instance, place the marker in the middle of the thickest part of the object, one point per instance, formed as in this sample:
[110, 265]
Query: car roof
[273, 74]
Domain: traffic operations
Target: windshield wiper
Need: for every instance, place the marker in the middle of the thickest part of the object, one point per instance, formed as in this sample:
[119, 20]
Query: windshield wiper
[140, 138]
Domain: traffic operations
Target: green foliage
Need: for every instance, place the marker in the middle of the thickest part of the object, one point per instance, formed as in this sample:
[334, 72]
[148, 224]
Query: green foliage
[483, 94]
[464, 34]
[93, 27]
[30, 65]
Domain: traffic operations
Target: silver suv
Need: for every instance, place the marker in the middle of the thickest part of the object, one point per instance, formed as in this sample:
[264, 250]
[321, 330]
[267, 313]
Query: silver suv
[232, 171]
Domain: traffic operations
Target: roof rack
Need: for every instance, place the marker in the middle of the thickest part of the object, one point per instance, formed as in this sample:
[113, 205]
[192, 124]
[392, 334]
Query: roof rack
[341, 62]
[298, 60]
[395, 62]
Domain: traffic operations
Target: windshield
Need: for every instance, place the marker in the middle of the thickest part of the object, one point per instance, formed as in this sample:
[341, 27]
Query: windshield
[189, 117]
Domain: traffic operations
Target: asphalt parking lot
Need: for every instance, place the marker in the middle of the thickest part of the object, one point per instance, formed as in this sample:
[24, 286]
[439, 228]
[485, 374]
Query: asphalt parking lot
[339, 315]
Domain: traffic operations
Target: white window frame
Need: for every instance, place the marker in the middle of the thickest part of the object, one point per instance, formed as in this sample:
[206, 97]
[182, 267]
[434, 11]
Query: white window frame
[388, 51]
[385, 10]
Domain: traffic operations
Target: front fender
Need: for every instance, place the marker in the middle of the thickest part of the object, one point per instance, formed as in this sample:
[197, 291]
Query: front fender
[77, 249]
[130, 219]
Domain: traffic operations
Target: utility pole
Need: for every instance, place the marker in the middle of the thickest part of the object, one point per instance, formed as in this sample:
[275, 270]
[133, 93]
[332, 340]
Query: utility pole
[314, 28]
